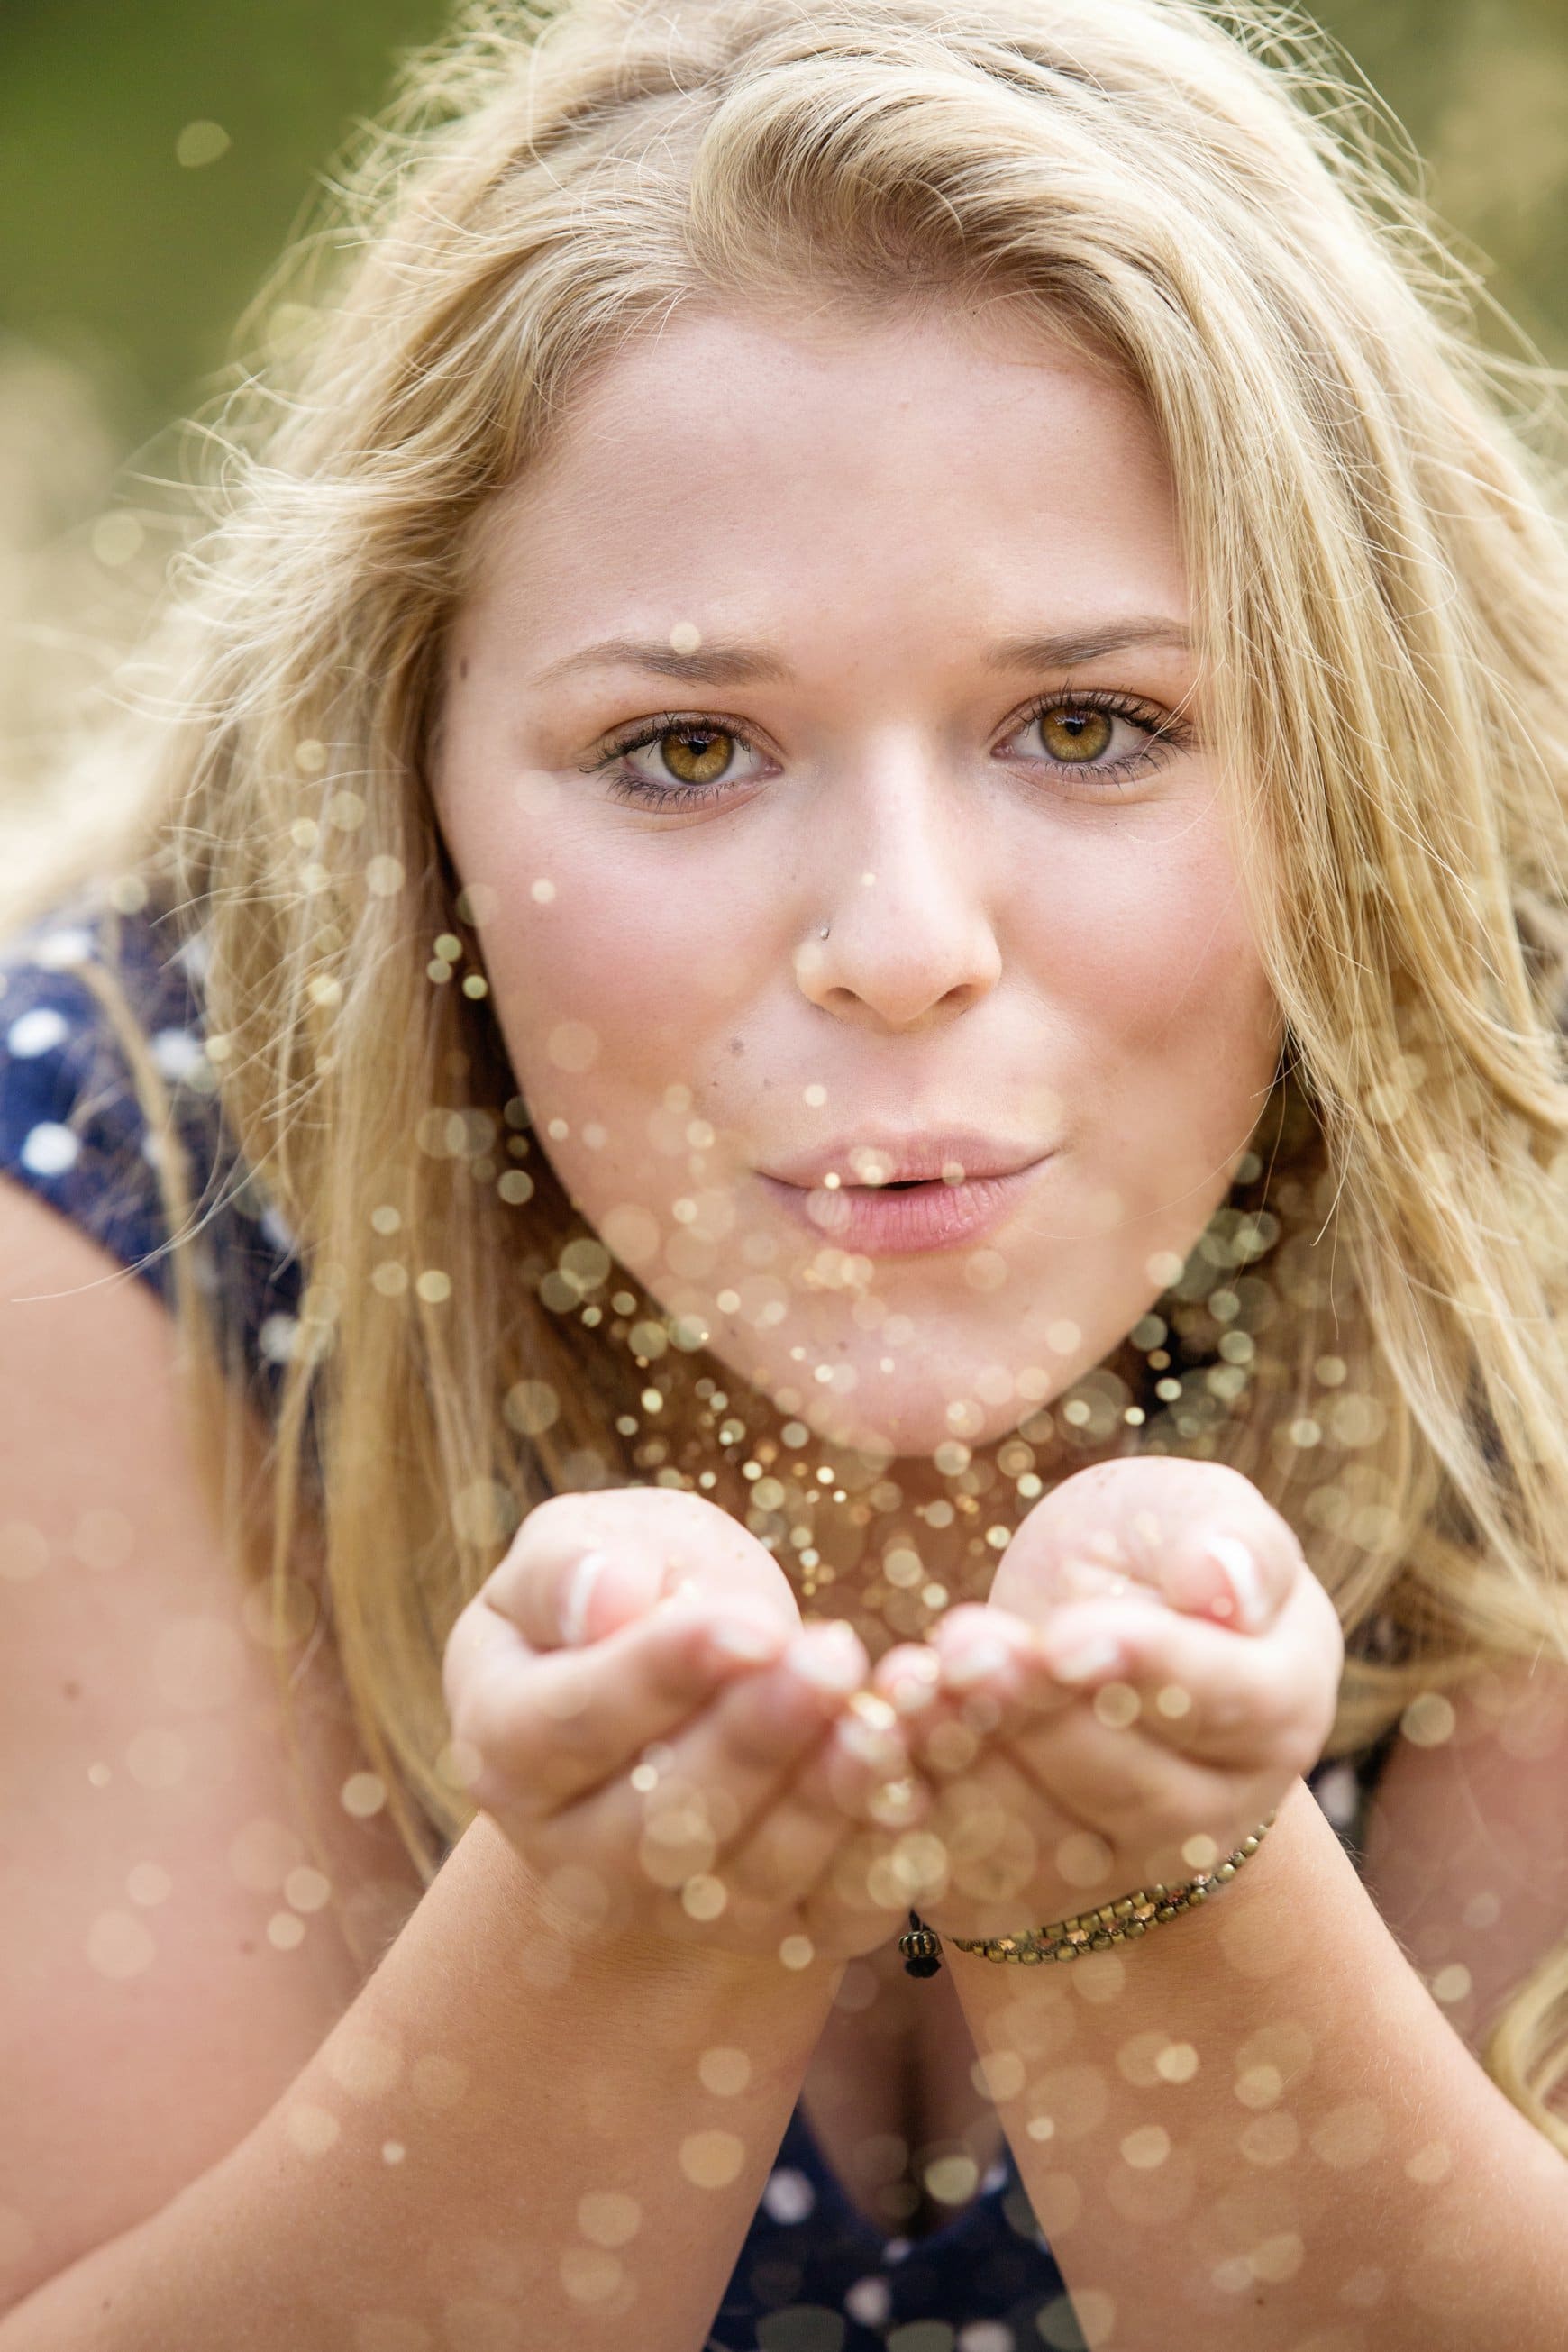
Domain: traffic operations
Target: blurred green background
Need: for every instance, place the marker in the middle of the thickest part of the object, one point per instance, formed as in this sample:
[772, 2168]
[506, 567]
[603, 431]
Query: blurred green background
[156, 155]
[117, 254]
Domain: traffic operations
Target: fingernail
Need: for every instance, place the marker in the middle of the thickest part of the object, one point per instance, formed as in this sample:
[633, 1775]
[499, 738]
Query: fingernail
[975, 1664]
[1079, 1660]
[1086, 1579]
[749, 1638]
[828, 1656]
[1237, 1564]
[578, 1592]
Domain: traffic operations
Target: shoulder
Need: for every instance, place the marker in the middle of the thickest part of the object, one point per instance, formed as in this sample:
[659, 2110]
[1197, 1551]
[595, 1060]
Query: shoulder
[104, 1073]
[167, 1918]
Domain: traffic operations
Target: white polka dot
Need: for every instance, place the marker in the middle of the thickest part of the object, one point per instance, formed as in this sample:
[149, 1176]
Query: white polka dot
[789, 2195]
[176, 1053]
[50, 1148]
[35, 1032]
[869, 2301]
[276, 1337]
[278, 1232]
[1338, 1794]
[196, 955]
[61, 950]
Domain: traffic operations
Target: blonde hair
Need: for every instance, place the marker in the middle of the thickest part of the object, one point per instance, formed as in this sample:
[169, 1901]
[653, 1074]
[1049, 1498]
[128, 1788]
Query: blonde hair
[1381, 590]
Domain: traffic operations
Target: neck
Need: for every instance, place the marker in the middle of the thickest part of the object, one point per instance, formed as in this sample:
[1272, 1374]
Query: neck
[890, 1541]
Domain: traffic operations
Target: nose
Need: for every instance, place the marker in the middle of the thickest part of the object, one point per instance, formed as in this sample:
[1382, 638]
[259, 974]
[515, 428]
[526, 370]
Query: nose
[910, 943]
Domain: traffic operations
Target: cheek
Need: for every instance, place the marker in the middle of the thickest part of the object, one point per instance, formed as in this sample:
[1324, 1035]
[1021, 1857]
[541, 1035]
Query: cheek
[1149, 960]
[606, 986]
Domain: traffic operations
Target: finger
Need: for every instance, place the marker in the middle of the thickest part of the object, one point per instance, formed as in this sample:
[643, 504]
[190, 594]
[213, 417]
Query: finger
[547, 1729]
[859, 1778]
[729, 1763]
[583, 1565]
[1198, 1534]
[1198, 1689]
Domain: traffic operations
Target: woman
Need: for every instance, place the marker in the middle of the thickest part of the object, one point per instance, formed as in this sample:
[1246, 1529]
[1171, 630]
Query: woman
[862, 836]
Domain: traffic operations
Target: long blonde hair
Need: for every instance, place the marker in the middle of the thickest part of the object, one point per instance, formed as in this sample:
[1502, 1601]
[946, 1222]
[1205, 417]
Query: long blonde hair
[1370, 1327]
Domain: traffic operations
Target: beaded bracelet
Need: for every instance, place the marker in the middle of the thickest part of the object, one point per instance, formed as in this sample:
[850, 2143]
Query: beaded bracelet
[1091, 1931]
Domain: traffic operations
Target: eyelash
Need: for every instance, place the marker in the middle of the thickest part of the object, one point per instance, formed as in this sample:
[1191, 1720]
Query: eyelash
[627, 785]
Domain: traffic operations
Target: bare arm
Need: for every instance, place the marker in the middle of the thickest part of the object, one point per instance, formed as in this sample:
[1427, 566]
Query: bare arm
[1258, 2123]
[507, 2140]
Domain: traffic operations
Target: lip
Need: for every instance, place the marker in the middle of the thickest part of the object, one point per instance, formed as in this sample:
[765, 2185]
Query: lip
[931, 1215]
[874, 1158]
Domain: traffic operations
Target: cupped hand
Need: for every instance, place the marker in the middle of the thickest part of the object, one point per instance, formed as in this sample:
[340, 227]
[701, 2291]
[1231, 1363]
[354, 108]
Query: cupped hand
[634, 1699]
[1155, 1666]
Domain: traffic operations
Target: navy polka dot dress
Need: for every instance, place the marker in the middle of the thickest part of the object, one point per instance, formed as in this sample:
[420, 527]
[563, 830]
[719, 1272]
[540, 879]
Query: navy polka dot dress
[815, 2275]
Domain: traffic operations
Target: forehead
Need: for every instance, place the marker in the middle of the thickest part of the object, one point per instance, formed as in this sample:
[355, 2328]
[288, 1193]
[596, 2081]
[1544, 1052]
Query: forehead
[727, 442]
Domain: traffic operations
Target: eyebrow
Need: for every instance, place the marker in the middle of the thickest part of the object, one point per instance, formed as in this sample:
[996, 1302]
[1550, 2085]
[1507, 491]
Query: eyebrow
[727, 663]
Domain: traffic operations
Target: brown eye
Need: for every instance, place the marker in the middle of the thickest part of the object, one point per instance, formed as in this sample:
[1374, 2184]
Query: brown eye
[1073, 733]
[696, 755]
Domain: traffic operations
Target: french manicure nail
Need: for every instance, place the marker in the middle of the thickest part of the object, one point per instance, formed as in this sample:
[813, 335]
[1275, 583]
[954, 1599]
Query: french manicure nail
[828, 1656]
[577, 1595]
[975, 1664]
[1095, 1655]
[748, 1638]
[1237, 1564]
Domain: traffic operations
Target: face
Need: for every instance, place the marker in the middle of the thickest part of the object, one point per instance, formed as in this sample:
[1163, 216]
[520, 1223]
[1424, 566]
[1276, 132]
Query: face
[867, 936]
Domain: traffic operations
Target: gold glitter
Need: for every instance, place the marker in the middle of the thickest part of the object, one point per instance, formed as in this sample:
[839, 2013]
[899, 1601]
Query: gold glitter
[1260, 2086]
[1431, 2164]
[118, 1946]
[1145, 2148]
[1451, 1983]
[311, 2129]
[263, 1853]
[384, 877]
[703, 1897]
[952, 2180]
[998, 2075]
[1349, 2135]
[366, 2065]
[103, 1539]
[1428, 1720]
[588, 2275]
[797, 1952]
[434, 1285]
[607, 2218]
[711, 2159]
[1177, 2062]
[724, 2071]
[572, 1046]
[1271, 2139]
[1088, 2317]
[307, 1889]
[1117, 1705]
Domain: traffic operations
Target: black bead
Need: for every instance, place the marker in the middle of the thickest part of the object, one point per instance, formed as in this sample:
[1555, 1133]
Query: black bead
[921, 1948]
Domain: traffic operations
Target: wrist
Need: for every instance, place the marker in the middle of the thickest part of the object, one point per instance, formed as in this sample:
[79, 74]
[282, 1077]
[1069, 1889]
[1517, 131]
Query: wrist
[569, 1932]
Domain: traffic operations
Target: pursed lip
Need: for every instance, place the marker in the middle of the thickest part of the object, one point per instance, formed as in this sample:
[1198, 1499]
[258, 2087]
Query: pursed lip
[874, 1158]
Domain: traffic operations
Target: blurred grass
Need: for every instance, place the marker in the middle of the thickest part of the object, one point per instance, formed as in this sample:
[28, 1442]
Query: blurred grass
[133, 233]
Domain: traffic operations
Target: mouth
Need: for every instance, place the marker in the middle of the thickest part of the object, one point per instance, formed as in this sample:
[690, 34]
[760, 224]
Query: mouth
[905, 1216]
